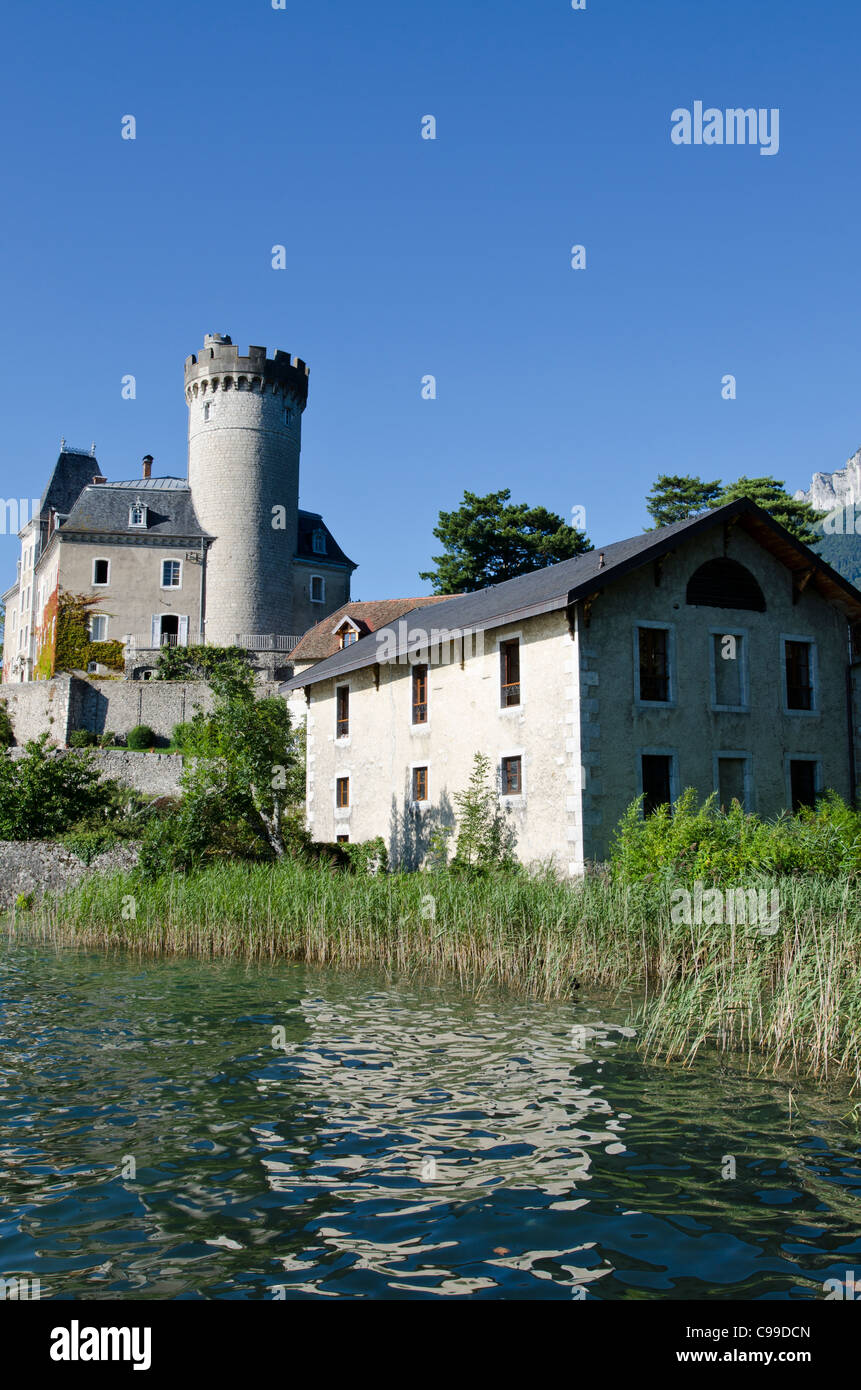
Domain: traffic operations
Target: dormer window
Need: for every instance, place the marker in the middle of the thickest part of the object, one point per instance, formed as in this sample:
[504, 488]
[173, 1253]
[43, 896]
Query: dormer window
[319, 542]
[137, 513]
[347, 633]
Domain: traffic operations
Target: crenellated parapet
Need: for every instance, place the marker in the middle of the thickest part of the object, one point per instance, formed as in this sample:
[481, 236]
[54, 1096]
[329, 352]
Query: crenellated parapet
[221, 367]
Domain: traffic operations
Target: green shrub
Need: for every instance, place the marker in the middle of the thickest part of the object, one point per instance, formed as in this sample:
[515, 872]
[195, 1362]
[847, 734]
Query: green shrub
[180, 736]
[107, 739]
[83, 738]
[7, 733]
[88, 844]
[140, 737]
[367, 856]
[694, 841]
[43, 794]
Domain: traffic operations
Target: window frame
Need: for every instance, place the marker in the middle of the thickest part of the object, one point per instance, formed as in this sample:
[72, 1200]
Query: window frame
[415, 769]
[653, 751]
[789, 759]
[809, 641]
[322, 581]
[672, 692]
[171, 586]
[742, 755]
[102, 620]
[342, 734]
[101, 584]
[502, 644]
[138, 525]
[744, 670]
[342, 779]
[416, 704]
[511, 755]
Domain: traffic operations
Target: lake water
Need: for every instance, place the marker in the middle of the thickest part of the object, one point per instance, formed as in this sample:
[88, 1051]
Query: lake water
[401, 1140]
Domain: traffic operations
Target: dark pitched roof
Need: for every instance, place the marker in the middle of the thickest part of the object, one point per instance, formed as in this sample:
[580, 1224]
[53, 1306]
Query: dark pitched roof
[103, 508]
[71, 474]
[557, 586]
[309, 522]
[321, 641]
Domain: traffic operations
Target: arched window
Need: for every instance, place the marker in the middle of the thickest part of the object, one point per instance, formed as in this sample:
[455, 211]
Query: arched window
[724, 583]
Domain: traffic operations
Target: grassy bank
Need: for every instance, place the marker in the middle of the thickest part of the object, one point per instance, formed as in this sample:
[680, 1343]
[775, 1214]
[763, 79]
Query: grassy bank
[791, 999]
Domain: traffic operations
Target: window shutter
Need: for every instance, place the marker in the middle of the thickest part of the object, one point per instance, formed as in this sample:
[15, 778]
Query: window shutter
[183, 631]
[156, 629]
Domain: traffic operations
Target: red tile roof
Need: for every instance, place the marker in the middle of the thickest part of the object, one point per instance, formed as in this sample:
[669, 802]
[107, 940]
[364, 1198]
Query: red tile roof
[321, 641]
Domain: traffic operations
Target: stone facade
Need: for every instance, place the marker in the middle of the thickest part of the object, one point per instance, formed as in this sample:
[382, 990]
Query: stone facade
[224, 557]
[585, 735]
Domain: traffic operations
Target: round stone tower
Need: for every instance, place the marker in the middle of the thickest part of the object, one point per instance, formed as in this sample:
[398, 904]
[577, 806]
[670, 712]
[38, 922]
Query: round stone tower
[244, 437]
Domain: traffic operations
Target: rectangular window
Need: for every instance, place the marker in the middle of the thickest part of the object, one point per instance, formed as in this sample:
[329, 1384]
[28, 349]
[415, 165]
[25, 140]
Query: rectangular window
[101, 572]
[342, 839]
[802, 782]
[657, 781]
[318, 589]
[420, 784]
[509, 673]
[420, 694]
[729, 656]
[731, 782]
[98, 627]
[207, 410]
[654, 647]
[342, 791]
[511, 778]
[342, 711]
[799, 675]
[171, 574]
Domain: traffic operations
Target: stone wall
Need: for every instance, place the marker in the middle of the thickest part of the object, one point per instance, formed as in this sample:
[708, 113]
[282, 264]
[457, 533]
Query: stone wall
[39, 707]
[59, 706]
[155, 774]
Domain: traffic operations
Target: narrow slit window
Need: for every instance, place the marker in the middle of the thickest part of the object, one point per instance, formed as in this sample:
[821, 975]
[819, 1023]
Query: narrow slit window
[509, 673]
[420, 784]
[799, 676]
[342, 792]
[342, 719]
[420, 694]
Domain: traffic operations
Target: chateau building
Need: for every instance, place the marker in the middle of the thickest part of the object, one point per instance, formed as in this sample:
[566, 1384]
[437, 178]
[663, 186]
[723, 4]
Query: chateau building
[224, 555]
[717, 653]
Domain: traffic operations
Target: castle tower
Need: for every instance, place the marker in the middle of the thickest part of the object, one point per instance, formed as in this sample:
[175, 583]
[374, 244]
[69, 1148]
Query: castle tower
[244, 437]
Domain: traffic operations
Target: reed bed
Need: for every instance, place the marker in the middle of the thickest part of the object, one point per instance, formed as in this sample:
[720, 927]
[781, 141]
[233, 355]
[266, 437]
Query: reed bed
[790, 1002]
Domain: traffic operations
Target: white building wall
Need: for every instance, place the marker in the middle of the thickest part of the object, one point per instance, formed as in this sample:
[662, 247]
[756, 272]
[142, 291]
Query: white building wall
[464, 717]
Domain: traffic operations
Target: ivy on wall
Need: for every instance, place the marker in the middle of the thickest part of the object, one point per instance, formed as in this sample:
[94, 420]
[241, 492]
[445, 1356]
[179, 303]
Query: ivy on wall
[74, 648]
[46, 635]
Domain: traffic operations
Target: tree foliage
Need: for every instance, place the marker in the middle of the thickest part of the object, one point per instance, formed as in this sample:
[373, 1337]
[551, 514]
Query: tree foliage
[489, 539]
[44, 793]
[485, 840]
[677, 497]
[235, 781]
[200, 663]
[799, 518]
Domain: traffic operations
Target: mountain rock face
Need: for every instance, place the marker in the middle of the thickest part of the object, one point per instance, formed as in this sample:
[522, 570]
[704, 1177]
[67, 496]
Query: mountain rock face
[830, 490]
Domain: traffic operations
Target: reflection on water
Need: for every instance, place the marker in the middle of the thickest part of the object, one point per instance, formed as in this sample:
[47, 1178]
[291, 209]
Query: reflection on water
[397, 1140]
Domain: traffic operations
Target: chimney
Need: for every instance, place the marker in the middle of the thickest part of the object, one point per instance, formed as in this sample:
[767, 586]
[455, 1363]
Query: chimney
[147, 465]
[99, 479]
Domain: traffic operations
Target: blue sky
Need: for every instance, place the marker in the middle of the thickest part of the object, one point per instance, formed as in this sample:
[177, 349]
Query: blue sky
[451, 257]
